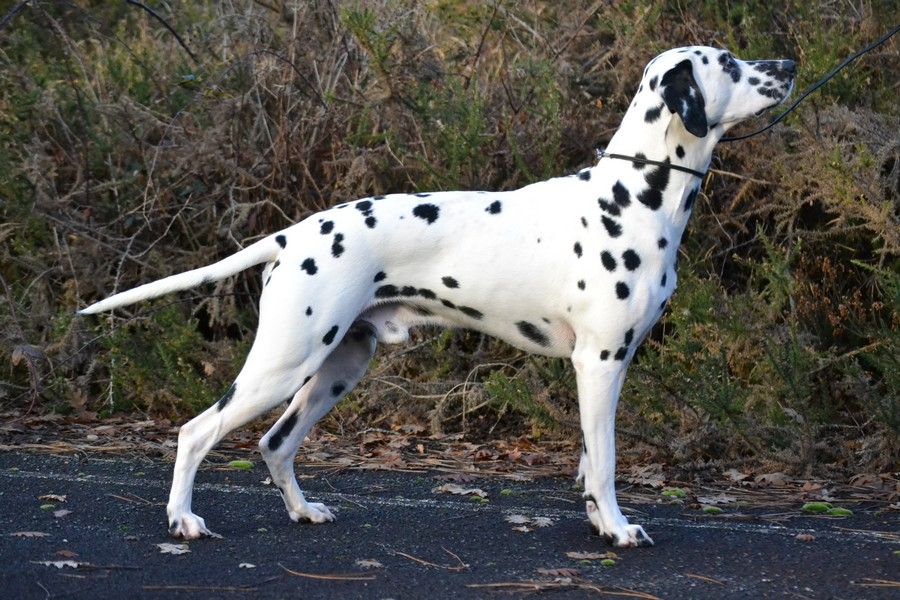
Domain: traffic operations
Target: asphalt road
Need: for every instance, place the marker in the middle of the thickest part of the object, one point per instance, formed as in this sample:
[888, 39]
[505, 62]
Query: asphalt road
[117, 520]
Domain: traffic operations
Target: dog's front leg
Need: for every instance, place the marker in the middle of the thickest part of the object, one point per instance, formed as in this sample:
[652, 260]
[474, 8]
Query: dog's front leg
[599, 384]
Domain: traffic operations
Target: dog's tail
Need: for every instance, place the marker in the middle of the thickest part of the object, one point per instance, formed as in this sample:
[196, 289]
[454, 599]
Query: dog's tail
[265, 250]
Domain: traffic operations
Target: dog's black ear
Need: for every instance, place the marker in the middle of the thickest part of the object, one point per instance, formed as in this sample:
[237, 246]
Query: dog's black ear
[682, 95]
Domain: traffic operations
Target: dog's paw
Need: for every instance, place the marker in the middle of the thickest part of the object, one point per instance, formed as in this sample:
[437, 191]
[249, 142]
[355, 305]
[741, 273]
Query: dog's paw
[189, 527]
[314, 512]
[629, 536]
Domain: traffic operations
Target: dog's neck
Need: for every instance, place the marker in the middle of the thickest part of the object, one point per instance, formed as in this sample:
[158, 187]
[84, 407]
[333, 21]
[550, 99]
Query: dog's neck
[660, 141]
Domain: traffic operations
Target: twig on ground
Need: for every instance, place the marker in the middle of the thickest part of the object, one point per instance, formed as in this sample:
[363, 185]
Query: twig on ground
[329, 577]
[704, 578]
[461, 567]
[879, 583]
[196, 588]
[541, 586]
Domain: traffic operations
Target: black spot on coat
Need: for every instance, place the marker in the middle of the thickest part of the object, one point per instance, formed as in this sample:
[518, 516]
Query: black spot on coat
[631, 259]
[329, 337]
[608, 261]
[657, 181]
[581, 284]
[309, 265]
[577, 249]
[621, 195]
[531, 331]
[336, 247]
[622, 290]
[429, 212]
[282, 241]
[371, 222]
[381, 275]
[326, 228]
[689, 201]
[309, 311]
[494, 207]
[226, 397]
[283, 431]
[652, 115]
[387, 291]
[584, 175]
[609, 207]
[470, 312]
[450, 282]
[338, 388]
[612, 227]
[662, 242]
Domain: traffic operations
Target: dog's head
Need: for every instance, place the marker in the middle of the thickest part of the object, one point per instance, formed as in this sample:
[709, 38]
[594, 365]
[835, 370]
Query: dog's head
[708, 87]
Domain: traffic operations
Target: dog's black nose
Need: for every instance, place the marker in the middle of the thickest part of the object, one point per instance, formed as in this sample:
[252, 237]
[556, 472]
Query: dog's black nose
[789, 66]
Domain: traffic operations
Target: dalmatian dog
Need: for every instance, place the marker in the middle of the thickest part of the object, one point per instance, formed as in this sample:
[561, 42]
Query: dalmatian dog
[579, 266]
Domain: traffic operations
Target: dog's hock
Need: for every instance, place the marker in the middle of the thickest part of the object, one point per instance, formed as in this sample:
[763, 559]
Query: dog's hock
[683, 97]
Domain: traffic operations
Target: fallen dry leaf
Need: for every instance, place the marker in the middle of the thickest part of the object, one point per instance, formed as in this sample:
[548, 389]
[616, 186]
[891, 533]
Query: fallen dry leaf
[522, 528]
[516, 519]
[167, 548]
[369, 563]
[29, 534]
[592, 555]
[452, 488]
[735, 475]
[532, 459]
[717, 499]
[869, 480]
[561, 572]
[542, 521]
[805, 537]
[246, 566]
[66, 554]
[52, 498]
[771, 479]
[649, 475]
[59, 514]
[457, 477]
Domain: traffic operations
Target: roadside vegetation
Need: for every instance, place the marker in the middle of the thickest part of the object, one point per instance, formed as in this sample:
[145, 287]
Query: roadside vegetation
[127, 155]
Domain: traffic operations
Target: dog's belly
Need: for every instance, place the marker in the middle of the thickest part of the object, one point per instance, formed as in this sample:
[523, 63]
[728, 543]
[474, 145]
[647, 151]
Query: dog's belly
[393, 321]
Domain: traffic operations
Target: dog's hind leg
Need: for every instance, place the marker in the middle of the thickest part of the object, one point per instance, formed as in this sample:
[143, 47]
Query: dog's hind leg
[278, 363]
[599, 383]
[337, 376]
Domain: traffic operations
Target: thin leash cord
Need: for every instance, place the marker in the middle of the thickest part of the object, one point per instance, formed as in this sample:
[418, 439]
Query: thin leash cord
[817, 85]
